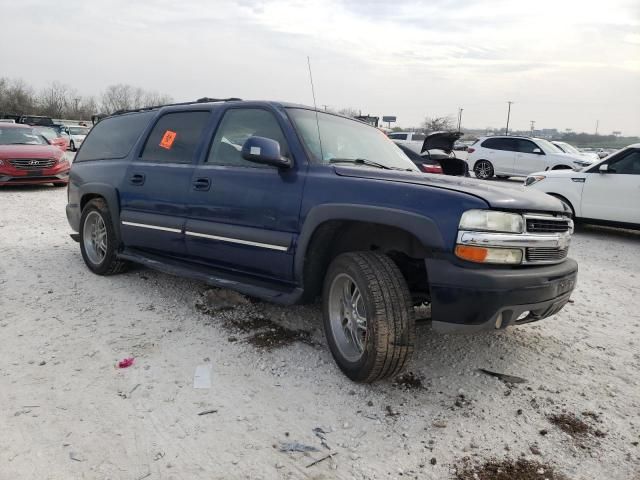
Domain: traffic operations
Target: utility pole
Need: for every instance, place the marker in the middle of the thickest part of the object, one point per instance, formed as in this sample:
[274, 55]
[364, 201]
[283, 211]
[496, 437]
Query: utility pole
[506, 131]
[533, 125]
[460, 110]
[325, 107]
[597, 125]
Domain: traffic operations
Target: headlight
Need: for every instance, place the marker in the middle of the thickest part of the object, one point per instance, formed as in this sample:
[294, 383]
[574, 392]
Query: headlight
[1, 163]
[581, 163]
[533, 179]
[492, 221]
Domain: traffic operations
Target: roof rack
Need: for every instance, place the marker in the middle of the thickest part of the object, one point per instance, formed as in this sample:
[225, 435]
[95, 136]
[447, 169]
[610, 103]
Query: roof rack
[200, 100]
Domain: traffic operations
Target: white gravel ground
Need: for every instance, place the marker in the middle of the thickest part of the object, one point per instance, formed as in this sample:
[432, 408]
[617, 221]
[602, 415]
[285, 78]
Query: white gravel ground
[66, 412]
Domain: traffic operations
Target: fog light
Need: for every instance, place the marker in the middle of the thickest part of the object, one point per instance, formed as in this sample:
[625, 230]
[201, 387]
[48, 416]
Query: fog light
[523, 315]
[489, 255]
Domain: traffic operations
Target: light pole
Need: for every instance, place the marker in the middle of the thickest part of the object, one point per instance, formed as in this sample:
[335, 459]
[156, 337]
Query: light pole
[533, 125]
[506, 131]
[460, 110]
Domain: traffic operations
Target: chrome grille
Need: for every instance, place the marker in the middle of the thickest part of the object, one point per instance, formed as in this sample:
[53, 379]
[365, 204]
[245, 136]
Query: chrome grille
[547, 225]
[546, 254]
[32, 163]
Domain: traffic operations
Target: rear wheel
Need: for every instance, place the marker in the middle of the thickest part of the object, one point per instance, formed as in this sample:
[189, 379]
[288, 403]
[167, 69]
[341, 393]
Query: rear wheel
[368, 316]
[98, 242]
[483, 169]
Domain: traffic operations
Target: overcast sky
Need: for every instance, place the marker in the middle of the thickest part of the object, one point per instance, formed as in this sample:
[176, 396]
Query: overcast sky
[565, 63]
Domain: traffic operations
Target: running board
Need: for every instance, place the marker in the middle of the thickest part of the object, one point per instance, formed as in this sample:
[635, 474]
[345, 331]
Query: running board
[214, 277]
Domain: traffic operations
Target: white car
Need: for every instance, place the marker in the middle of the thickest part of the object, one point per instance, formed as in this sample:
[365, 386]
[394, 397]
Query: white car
[412, 140]
[607, 192]
[512, 156]
[568, 148]
[77, 135]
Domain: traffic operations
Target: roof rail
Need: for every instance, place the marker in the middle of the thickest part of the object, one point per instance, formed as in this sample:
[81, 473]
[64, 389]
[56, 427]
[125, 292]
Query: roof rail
[200, 100]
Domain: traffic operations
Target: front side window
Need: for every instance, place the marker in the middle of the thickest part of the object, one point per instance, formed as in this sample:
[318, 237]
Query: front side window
[175, 137]
[237, 125]
[627, 165]
[527, 146]
[332, 138]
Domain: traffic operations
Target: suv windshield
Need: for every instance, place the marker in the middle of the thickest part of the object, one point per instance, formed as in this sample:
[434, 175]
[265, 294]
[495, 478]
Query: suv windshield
[20, 136]
[567, 148]
[547, 146]
[347, 140]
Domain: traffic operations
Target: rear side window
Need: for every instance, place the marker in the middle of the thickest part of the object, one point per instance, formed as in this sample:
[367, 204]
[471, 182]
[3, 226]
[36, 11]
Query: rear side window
[175, 137]
[507, 144]
[114, 137]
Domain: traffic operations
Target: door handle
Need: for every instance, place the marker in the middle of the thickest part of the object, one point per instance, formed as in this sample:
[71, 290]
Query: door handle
[202, 184]
[136, 179]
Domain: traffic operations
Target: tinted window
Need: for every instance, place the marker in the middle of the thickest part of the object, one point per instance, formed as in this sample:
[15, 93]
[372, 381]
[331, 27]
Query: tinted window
[627, 165]
[113, 137]
[175, 137]
[499, 144]
[418, 137]
[236, 127]
[398, 136]
[526, 146]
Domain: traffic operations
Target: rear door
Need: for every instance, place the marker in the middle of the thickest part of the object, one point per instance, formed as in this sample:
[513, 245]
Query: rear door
[154, 191]
[529, 157]
[615, 195]
[244, 215]
[500, 152]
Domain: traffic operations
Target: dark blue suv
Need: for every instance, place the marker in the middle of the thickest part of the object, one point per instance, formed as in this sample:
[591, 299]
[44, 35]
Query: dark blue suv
[289, 204]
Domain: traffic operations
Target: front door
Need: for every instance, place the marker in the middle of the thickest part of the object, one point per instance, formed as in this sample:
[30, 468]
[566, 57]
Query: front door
[244, 215]
[615, 195]
[529, 158]
[154, 190]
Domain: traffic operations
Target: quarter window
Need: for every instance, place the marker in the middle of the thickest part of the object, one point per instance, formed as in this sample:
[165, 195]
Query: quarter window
[237, 125]
[175, 137]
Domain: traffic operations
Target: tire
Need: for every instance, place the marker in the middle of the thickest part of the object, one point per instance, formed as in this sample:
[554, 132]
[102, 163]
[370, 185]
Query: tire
[59, 184]
[483, 169]
[72, 146]
[100, 257]
[384, 302]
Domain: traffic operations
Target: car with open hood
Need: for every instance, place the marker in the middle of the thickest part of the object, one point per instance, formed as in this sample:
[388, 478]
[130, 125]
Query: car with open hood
[290, 204]
[437, 154]
[27, 157]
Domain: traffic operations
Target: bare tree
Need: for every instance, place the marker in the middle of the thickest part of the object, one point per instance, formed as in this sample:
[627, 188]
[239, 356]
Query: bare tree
[434, 124]
[55, 100]
[349, 112]
[16, 97]
[127, 97]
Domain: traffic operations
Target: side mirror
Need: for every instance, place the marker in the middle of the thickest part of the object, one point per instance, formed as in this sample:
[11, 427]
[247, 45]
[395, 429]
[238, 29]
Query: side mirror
[264, 150]
[604, 168]
[537, 150]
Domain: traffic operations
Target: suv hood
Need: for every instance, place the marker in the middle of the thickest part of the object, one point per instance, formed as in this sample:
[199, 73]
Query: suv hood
[497, 195]
[440, 141]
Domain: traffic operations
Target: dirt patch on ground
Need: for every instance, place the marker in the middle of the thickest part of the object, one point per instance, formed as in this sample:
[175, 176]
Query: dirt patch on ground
[507, 469]
[276, 336]
[575, 426]
[408, 381]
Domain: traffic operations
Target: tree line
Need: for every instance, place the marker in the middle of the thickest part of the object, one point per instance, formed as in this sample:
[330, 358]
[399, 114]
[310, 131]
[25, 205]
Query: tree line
[59, 100]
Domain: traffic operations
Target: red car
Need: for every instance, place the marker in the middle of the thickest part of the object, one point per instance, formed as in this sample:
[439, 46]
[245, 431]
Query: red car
[26, 157]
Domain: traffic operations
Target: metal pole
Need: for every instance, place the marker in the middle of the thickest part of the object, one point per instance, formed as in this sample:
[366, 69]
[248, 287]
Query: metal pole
[460, 110]
[506, 131]
[533, 124]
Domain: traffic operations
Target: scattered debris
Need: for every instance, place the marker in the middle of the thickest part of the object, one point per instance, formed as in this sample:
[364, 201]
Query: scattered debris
[572, 425]
[76, 457]
[202, 377]
[507, 469]
[296, 447]
[220, 299]
[543, 432]
[277, 336]
[391, 412]
[207, 412]
[315, 462]
[433, 461]
[408, 381]
[321, 434]
[439, 424]
[125, 362]
[502, 376]
[535, 450]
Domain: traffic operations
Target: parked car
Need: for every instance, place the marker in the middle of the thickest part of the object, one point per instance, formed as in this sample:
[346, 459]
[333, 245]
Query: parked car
[7, 120]
[507, 156]
[589, 157]
[54, 138]
[77, 135]
[36, 120]
[605, 193]
[412, 140]
[287, 203]
[437, 155]
[601, 152]
[27, 157]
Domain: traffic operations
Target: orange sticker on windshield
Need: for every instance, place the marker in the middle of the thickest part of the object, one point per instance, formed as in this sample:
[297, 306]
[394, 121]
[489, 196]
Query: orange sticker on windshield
[167, 139]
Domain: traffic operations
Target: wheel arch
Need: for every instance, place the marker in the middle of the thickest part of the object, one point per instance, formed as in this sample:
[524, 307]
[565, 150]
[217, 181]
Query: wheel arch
[109, 194]
[329, 230]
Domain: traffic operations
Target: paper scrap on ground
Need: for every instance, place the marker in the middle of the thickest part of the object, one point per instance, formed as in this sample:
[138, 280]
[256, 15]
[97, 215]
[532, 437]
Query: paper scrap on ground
[202, 377]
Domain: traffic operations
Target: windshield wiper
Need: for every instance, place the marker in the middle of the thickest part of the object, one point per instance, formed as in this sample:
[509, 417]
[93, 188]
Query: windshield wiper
[360, 161]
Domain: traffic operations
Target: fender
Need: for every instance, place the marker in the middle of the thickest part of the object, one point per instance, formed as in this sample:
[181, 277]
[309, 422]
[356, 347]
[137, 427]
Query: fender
[423, 228]
[110, 194]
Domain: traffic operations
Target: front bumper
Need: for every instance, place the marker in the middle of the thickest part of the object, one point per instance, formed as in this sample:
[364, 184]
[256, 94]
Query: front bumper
[467, 300]
[52, 175]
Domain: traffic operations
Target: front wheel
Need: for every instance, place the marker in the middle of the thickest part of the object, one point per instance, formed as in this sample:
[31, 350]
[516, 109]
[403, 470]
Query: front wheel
[98, 243]
[483, 169]
[72, 146]
[368, 316]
